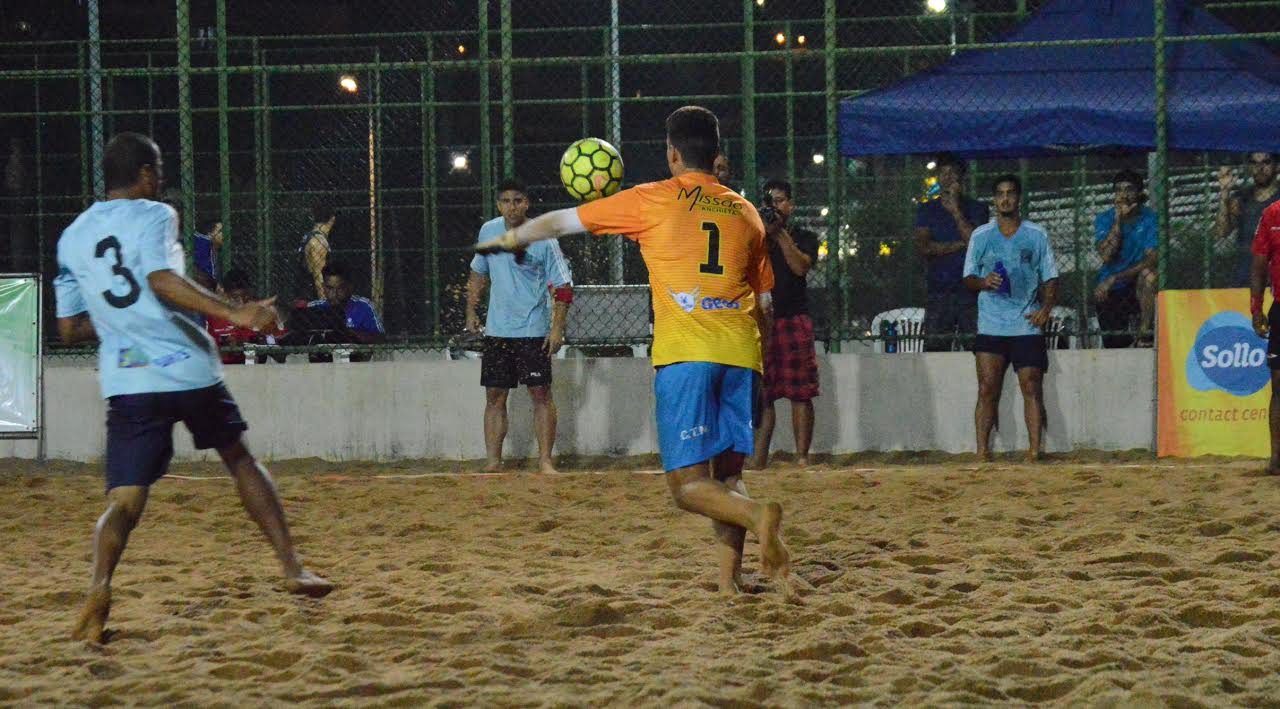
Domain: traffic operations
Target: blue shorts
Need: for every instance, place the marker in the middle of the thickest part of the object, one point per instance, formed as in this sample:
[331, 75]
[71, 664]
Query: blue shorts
[704, 409]
[140, 430]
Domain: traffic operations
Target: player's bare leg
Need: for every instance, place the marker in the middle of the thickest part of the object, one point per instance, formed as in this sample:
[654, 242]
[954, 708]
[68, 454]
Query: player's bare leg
[727, 468]
[1273, 467]
[495, 426]
[694, 490]
[124, 509]
[260, 499]
[544, 426]
[990, 380]
[1031, 382]
[802, 429]
[764, 435]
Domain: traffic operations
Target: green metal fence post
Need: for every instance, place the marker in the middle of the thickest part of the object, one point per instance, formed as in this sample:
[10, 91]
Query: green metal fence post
[186, 149]
[224, 141]
[508, 105]
[486, 142]
[586, 106]
[748, 64]
[86, 190]
[790, 81]
[835, 214]
[151, 119]
[1080, 240]
[376, 156]
[1160, 176]
[429, 212]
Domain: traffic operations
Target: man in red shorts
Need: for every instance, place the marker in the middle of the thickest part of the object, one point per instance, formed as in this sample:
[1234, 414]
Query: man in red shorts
[790, 363]
[1266, 262]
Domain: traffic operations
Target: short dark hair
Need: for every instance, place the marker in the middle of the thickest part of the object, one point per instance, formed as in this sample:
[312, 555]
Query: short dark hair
[322, 212]
[513, 184]
[777, 184]
[205, 225]
[125, 156]
[235, 279]
[1130, 176]
[944, 159]
[1007, 177]
[337, 268]
[695, 132]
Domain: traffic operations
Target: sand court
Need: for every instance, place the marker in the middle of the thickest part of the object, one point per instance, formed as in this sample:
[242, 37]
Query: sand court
[1077, 581]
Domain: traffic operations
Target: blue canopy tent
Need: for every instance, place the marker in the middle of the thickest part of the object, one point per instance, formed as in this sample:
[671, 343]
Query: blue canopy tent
[1028, 101]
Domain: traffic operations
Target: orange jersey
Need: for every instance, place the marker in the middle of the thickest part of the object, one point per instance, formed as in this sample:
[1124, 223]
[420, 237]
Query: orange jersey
[704, 247]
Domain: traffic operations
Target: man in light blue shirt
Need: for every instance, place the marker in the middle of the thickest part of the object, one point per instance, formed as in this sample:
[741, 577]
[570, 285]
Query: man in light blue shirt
[1010, 265]
[1125, 236]
[121, 281]
[523, 328]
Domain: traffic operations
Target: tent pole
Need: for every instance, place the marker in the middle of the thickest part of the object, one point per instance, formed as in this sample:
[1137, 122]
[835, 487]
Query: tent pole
[1160, 176]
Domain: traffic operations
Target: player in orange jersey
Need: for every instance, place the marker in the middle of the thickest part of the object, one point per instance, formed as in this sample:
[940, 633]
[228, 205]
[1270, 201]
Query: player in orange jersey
[709, 278]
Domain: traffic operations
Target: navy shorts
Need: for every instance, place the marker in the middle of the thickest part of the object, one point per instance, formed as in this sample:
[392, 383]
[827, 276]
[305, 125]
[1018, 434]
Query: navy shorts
[140, 430]
[508, 362]
[1020, 351]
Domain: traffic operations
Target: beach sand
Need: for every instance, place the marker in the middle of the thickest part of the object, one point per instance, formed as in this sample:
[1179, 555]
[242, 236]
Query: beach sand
[1079, 581]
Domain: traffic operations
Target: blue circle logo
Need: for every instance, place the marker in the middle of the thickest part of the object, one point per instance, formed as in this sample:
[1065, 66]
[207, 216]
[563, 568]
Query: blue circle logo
[1228, 355]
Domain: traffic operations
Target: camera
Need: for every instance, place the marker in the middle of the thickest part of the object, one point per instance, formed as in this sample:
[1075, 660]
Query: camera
[769, 214]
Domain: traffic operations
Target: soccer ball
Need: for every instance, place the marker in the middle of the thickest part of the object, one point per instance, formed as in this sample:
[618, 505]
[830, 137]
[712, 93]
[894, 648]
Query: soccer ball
[590, 169]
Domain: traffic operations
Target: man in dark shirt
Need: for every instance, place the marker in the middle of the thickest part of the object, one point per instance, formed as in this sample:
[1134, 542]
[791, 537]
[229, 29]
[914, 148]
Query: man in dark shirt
[1240, 210]
[943, 227]
[790, 363]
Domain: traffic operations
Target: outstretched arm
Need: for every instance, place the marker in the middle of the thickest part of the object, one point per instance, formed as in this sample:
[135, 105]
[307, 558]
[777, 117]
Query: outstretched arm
[551, 225]
[178, 292]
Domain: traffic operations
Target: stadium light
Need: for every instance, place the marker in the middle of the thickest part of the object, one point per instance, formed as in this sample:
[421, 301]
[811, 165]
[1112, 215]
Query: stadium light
[348, 83]
[800, 39]
[780, 38]
[932, 164]
[824, 212]
[462, 49]
[459, 162]
[937, 7]
[759, 3]
[819, 158]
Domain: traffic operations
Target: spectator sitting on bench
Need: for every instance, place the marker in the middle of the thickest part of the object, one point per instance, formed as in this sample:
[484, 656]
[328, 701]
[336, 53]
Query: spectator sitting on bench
[354, 319]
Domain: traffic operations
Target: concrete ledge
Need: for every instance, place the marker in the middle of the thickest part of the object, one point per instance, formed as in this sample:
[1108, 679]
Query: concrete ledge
[432, 408]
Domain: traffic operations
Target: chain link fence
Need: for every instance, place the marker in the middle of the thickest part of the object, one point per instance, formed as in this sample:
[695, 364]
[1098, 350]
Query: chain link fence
[401, 119]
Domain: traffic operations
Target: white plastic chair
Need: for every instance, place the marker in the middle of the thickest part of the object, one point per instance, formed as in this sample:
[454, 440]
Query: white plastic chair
[910, 322]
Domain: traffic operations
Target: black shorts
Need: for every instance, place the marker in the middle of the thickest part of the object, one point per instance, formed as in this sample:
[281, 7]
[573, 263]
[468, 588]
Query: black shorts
[1273, 340]
[1020, 350]
[508, 362]
[140, 430]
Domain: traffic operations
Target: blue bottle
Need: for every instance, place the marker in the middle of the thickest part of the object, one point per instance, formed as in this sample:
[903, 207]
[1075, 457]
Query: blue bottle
[1006, 287]
[891, 344]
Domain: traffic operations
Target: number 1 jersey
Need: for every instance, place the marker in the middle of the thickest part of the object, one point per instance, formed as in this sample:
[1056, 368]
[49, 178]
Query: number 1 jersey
[104, 258]
[704, 246]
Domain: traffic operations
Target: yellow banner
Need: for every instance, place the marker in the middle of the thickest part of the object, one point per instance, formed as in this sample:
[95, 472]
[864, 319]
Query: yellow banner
[1213, 377]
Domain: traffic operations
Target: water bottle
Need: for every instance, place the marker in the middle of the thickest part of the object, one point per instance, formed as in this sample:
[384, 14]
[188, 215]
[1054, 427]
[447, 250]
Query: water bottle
[885, 327]
[891, 346]
[1006, 287]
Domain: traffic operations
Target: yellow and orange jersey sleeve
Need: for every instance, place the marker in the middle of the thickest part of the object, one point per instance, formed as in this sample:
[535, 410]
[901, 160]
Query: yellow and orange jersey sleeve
[623, 213]
[704, 247]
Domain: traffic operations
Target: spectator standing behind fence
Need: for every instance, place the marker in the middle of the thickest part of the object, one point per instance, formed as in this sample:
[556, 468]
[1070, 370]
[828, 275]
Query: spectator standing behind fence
[1266, 261]
[1010, 265]
[518, 341]
[790, 363]
[238, 290]
[1125, 236]
[1240, 210]
[208, 243]
[943, 229]
[314, 249]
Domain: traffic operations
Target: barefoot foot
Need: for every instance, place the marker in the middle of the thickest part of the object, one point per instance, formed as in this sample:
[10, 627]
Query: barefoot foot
[93, 617]
[546, 467]
[803, 462]
[493, 467]
[1034, 456]
[306, 583]
[775, 560]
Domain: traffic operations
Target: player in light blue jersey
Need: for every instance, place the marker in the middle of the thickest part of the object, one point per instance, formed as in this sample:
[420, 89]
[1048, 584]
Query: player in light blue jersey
[1011, 266]
[120, 281]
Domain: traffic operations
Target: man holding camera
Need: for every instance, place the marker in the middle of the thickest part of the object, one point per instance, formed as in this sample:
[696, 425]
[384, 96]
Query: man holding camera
[790, 363]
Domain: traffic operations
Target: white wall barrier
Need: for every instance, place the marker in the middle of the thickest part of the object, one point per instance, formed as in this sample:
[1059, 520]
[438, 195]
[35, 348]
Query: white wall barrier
[419, 408]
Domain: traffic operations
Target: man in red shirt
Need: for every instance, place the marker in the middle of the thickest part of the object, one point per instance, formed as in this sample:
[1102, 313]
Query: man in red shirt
[236, 288]
[1266, 261]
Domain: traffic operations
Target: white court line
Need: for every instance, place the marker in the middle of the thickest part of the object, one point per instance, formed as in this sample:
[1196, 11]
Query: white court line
[892, 468]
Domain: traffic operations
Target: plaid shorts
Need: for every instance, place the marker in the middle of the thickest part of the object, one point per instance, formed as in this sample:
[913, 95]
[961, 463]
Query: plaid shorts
[791, 364]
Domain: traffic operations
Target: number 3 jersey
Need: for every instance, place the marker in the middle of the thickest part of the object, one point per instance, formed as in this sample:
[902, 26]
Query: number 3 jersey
[104, 258]
[704, 246]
